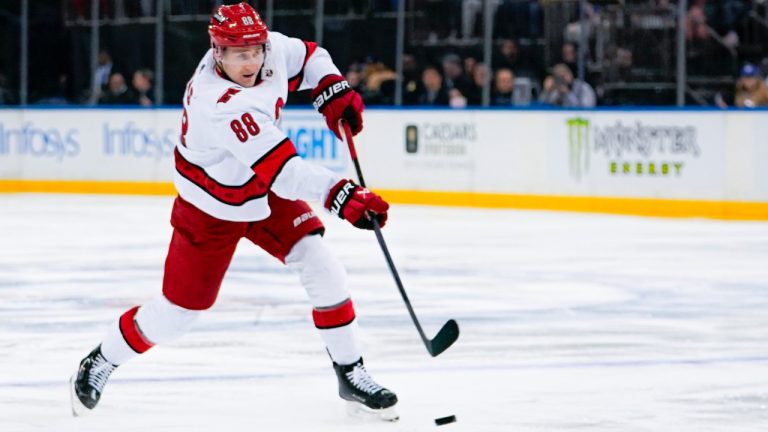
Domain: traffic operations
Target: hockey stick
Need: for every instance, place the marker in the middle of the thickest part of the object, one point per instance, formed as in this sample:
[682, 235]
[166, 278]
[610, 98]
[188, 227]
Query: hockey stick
[450, 330]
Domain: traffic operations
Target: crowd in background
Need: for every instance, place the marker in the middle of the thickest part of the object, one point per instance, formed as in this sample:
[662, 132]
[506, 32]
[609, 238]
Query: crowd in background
[751, 89]
[112, 88]
[446, 70]
[458, 82]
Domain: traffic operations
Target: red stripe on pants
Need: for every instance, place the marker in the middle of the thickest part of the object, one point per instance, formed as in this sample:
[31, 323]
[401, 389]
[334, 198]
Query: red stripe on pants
[338, 316]
[131, 332]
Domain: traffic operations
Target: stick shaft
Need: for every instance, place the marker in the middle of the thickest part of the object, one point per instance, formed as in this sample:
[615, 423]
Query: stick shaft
[347, 136]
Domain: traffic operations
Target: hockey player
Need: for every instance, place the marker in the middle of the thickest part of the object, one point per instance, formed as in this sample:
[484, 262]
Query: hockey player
[238, 175]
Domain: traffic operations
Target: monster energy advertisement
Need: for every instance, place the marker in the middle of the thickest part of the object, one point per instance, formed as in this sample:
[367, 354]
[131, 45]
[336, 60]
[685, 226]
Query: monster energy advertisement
[636, 149]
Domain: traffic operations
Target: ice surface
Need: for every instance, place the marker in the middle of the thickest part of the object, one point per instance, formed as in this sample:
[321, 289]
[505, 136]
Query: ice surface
[569, 322]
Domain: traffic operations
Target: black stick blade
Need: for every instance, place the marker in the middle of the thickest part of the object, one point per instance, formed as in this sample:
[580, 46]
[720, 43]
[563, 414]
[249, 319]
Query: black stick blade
[444, 338]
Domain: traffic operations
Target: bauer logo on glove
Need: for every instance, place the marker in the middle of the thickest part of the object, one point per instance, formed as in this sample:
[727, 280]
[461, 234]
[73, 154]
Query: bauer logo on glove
[356, 204]
[328, 94]
[336, 100]
[341, 197]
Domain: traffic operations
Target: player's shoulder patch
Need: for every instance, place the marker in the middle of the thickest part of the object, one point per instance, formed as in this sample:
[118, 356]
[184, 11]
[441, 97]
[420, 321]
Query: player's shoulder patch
[228, 95]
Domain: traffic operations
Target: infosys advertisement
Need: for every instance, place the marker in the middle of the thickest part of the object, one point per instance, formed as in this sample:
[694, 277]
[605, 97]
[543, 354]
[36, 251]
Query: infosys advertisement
[132, 145]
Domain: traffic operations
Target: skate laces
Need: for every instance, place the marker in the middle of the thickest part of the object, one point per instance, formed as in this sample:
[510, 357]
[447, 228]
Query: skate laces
[99, 372]
[359, 377]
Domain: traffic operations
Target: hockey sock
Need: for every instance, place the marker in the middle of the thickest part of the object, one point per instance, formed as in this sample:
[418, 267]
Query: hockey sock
[140, 328]
[325, 281]
[338, 328]
[124, 339]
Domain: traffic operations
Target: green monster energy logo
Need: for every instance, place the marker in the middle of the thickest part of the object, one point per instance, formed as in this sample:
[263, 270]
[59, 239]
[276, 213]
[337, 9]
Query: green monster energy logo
[578, 147]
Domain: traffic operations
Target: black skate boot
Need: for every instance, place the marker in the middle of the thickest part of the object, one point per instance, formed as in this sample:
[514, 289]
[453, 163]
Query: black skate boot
[88, 383]
[364, 396]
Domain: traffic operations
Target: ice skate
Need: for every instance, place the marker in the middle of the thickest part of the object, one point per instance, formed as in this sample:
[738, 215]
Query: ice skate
[365, 398]
[87, 385]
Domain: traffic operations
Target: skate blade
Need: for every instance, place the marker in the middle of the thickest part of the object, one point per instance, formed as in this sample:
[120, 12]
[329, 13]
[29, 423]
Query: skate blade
[360, 411]
[78, 409]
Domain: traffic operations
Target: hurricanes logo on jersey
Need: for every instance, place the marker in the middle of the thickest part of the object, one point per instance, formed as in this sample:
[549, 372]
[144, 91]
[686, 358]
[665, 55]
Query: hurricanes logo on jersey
[228, 95]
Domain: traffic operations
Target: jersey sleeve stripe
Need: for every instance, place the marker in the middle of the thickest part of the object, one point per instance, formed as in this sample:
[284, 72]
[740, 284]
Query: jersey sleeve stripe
[295, 81]
[269, 166]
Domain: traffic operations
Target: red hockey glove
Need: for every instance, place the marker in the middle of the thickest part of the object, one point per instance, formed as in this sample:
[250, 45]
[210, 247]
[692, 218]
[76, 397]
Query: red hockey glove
[336, 100]
[356, 204]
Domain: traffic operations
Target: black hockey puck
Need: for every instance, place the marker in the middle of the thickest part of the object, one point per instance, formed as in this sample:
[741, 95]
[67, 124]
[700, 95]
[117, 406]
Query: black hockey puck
[445, 420]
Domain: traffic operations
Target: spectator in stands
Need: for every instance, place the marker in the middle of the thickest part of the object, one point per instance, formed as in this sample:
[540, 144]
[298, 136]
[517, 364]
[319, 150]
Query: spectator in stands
[379, 84]
[569, 56]
[751, 90]
[731, 12]
[573, 30]
[117, 91]
[479, 75]
[618, 64]
[561, 89]
[470, 62]
[523, 63]
[411, 79]
[104, 69]
[432, 92]
[507, 55]
[696, 22]
[354, 77]
[453, 74]
[503, 88]
[764, 68]
[101, 75]
[142, 86]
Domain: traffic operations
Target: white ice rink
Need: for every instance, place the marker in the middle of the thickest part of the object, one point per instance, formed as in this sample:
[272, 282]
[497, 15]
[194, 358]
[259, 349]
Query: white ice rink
[569, 322]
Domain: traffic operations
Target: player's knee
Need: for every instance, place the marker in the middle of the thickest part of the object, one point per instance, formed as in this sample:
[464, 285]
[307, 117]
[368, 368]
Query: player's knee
[321, 273]
[162, 321]
[330, 273]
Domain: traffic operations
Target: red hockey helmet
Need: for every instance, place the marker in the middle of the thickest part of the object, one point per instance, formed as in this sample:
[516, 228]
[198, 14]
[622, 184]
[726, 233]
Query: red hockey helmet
[237, 25]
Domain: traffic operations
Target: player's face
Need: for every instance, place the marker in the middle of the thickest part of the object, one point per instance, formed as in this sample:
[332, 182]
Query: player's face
[242, 64]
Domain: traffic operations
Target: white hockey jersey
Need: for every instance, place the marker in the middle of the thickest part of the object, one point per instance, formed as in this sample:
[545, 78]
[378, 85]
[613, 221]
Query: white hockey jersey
[231, 151]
